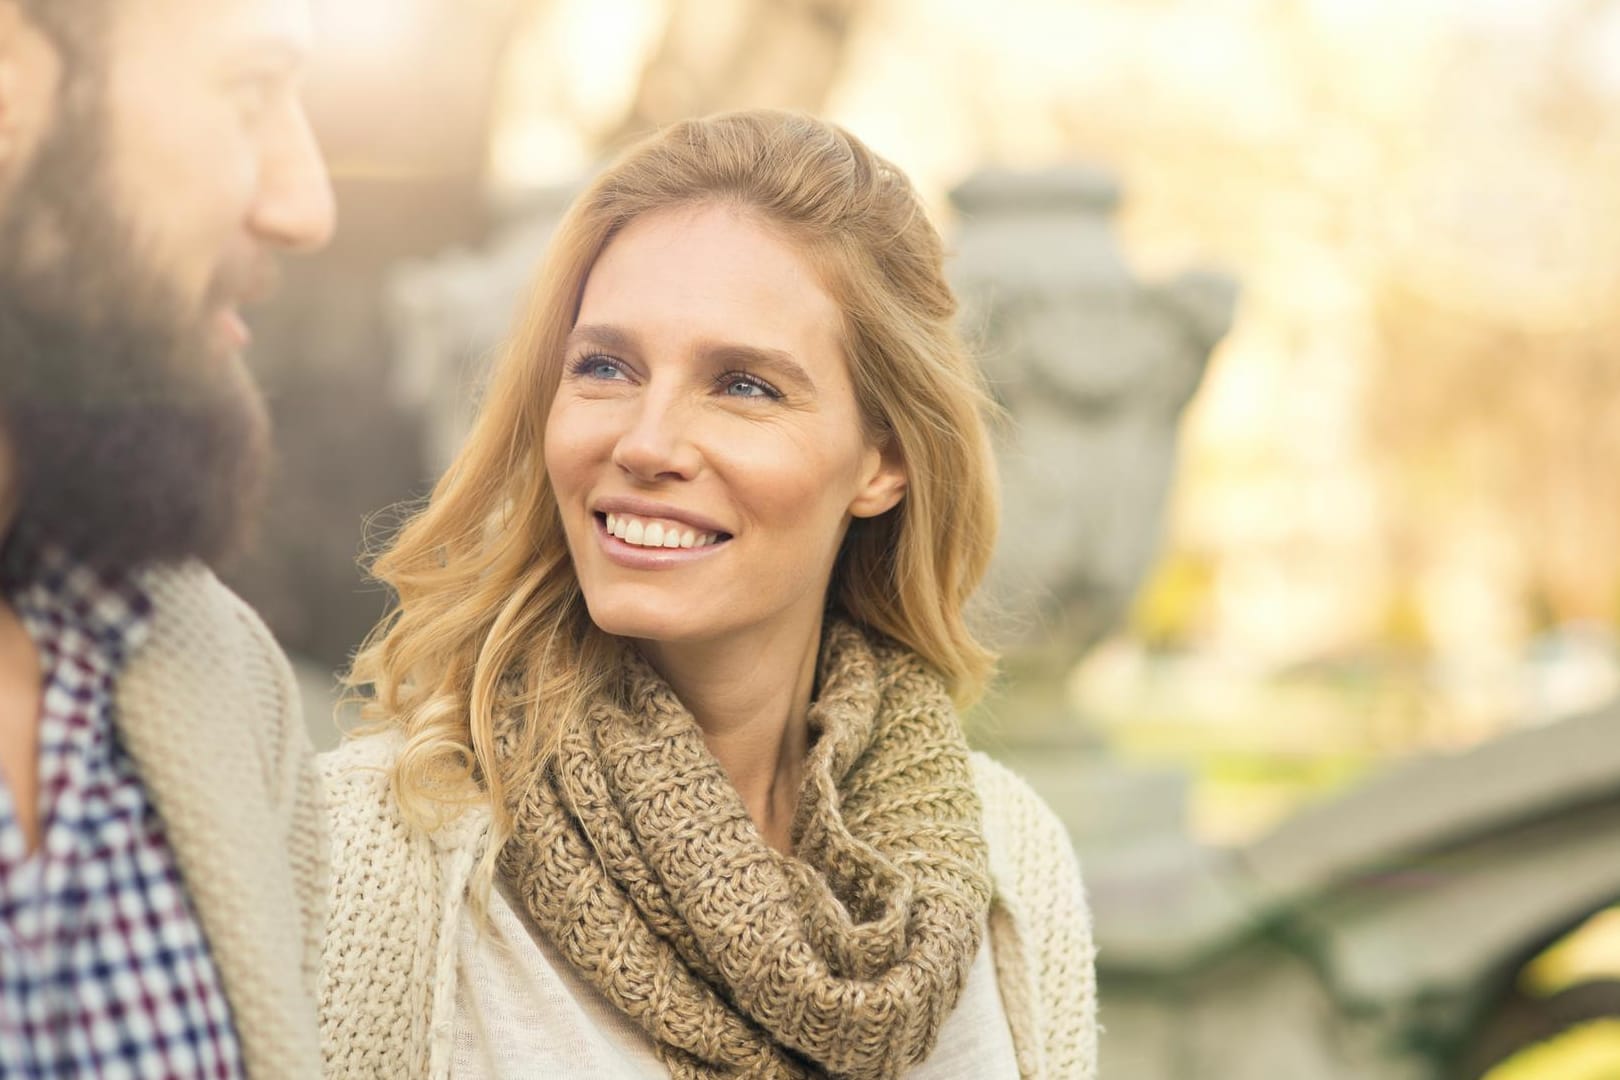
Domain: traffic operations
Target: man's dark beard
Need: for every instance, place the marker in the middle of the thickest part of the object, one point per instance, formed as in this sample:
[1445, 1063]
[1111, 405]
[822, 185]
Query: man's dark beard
[133, 446]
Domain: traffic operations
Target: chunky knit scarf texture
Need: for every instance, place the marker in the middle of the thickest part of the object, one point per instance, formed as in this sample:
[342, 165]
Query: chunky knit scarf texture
[636, 858]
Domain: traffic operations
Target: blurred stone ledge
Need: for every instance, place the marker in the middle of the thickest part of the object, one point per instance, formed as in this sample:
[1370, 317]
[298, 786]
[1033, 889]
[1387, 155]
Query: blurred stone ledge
[1378, 936]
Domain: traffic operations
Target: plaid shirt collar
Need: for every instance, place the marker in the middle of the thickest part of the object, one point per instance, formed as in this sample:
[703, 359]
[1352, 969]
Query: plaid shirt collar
[44, 584]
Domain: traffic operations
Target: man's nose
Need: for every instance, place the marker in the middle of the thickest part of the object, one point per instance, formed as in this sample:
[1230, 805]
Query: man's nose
[295, 209]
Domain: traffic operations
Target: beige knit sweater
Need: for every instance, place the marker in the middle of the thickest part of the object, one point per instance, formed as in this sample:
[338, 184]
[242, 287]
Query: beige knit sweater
[208, 710]
[387, 988]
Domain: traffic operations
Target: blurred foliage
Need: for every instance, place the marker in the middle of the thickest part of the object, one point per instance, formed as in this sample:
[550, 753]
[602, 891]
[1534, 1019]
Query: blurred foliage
[1589, 1052]
[1591, 952]
[1409, 440]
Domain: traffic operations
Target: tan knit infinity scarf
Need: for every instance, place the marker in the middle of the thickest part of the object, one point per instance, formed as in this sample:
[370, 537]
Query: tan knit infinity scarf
[636, 858]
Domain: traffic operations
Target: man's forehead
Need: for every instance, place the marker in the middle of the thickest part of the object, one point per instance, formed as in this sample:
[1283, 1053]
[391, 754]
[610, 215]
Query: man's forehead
[223, 24]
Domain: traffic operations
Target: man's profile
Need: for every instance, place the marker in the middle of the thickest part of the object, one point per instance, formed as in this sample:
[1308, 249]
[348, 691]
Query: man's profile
[161, 868]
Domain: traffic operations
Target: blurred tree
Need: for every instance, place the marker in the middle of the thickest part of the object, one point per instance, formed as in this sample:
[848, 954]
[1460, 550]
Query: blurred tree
[1416, 411]
[728, 54]
[1496, 381]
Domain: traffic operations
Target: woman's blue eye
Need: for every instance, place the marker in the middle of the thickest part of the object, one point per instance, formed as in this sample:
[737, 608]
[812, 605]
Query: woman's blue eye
[735, 384]
[598, 367]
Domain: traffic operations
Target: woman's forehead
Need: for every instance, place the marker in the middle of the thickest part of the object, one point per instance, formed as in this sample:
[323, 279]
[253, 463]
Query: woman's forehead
[712, 272]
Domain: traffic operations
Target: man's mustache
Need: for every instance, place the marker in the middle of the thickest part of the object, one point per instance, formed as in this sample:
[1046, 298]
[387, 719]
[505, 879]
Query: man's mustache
[244, 282]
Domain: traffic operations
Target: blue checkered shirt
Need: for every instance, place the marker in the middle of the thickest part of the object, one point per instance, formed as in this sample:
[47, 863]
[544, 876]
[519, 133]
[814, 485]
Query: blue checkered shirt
[104, 969]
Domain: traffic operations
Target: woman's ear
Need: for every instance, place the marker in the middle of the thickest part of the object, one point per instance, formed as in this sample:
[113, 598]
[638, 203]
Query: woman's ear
[885, 482]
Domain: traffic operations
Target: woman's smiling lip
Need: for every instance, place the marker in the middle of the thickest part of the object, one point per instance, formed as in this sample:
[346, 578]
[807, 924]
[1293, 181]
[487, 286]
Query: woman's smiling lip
[636, 557]
[646, 508]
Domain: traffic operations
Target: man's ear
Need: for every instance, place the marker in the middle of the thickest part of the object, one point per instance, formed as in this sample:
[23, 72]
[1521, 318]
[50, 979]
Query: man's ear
[885, 483]
[10, 24]
[30, 72]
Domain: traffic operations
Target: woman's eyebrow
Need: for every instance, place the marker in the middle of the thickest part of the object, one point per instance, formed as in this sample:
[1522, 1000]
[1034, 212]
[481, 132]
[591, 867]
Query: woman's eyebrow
[600, 336]
[719, 353]
[778, 361]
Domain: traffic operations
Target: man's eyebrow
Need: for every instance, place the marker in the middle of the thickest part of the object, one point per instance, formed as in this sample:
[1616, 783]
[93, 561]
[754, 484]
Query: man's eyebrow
[279, 53]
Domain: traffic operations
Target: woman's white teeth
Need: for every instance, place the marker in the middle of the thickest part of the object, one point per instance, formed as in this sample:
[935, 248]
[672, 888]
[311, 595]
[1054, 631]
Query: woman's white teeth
[655, 533]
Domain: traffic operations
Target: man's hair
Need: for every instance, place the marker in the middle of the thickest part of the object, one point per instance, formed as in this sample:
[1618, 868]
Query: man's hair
[78, 29]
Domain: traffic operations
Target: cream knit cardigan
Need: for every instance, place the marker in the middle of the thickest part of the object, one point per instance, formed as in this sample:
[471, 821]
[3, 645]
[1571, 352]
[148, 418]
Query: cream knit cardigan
[388, 991]
[208, 710]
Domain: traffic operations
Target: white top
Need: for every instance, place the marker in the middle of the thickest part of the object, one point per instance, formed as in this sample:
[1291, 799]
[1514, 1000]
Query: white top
[521, 1011]
[389, 976]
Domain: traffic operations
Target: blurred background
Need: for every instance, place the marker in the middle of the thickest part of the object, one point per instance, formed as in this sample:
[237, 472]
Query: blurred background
[1307, 317]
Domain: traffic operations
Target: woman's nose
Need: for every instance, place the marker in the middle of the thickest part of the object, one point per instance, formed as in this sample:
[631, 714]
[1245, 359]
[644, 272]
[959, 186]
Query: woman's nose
[658, 443]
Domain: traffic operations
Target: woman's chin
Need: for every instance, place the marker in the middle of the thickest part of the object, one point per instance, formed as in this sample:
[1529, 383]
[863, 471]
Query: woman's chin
[643, 623]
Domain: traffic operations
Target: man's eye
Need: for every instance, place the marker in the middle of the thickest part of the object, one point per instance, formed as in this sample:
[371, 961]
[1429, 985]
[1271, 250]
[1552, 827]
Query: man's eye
[253, 96]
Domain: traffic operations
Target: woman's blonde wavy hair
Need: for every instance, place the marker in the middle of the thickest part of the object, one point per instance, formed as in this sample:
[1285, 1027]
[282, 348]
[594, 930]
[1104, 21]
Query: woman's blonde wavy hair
[488, 615]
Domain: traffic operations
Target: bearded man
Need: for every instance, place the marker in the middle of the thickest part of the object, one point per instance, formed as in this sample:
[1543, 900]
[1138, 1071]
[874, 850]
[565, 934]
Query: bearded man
[161, 863]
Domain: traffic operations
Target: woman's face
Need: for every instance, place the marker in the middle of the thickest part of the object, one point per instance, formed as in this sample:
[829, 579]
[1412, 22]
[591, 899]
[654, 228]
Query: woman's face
[704, 445]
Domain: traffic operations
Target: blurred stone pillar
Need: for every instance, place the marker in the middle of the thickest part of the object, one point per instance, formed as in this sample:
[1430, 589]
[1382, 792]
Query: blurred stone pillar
[1093, 368]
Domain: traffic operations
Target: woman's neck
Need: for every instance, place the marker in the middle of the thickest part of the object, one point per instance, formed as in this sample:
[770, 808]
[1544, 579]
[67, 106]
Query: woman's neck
[751, 697]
